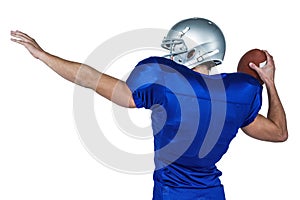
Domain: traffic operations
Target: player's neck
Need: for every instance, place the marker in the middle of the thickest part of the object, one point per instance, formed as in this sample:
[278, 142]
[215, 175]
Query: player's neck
[201, 69]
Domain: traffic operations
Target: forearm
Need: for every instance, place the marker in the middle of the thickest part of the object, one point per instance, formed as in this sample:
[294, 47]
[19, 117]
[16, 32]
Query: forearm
[75, 72]
[276, 111]
[273, 127]
[107, 86]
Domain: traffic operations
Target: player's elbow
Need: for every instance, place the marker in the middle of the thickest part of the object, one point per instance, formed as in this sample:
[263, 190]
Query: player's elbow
[282, 135]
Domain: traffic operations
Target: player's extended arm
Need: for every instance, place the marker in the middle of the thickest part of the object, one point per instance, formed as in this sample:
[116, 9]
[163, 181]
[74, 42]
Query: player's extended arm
[273, 127]
[109, 87]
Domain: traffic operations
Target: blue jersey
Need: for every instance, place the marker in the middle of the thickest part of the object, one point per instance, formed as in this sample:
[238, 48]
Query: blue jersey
[194, 119]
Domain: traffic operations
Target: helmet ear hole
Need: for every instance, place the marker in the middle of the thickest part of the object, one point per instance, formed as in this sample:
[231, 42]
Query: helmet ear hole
[191, 53]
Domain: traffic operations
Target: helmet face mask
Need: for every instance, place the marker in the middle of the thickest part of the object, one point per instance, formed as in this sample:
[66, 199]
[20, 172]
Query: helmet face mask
[175, 45]
[194, 41]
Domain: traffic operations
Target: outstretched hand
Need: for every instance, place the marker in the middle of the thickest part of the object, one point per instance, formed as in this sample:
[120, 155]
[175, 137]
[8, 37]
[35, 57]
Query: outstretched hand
[29, 43]
[267, 72]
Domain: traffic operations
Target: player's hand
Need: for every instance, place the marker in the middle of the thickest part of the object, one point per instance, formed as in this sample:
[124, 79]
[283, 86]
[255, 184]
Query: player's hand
[267, 72]
[29, 43]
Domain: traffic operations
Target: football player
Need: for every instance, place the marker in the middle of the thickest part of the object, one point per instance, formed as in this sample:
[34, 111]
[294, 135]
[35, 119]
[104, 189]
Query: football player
[195, 115]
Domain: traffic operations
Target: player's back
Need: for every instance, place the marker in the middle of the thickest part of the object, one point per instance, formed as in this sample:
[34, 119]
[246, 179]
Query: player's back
[194, 119]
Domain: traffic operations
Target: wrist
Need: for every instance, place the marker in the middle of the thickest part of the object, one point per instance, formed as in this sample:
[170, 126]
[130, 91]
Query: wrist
[270, 84]
[44, 57]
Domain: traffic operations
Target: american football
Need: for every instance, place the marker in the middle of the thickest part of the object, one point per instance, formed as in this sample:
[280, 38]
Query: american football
[255, 56]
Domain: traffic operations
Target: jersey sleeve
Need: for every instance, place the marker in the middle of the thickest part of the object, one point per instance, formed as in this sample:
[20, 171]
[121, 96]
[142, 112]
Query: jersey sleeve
[254, 108]
[146, 84]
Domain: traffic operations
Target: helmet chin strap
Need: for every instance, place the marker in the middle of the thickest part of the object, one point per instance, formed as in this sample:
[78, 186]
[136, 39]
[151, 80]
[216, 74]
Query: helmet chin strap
[173, 54]
[200, 58]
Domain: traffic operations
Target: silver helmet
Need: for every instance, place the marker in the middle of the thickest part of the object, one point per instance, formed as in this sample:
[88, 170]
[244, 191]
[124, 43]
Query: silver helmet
[195, 41]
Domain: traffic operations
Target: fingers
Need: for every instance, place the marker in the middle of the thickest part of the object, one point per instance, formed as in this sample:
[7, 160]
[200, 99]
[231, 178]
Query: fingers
[29, 43]
[21, 35]
[17, 41]
[253, 66]
[270, 61]
[269, 57]
[22, 38]
[22, 42]
[267, 54]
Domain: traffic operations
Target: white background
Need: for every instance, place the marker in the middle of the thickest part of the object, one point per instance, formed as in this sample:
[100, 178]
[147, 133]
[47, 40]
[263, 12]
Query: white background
[41, 155]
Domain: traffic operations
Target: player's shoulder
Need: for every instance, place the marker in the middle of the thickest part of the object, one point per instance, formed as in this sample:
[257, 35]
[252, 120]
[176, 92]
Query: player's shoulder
[241, 79]
[241, 87]
[150, 68]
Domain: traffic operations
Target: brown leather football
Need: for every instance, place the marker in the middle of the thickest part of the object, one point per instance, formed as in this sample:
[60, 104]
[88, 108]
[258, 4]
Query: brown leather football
[255, 56]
